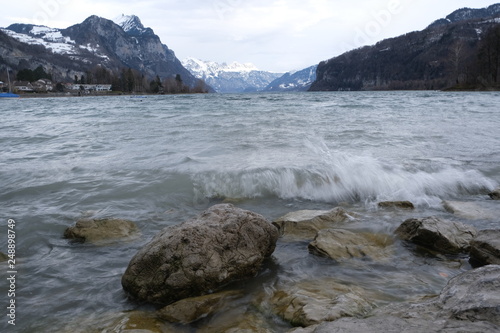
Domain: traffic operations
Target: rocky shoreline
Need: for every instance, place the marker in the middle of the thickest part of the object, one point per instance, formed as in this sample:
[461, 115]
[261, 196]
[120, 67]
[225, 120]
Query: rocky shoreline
[188, 272]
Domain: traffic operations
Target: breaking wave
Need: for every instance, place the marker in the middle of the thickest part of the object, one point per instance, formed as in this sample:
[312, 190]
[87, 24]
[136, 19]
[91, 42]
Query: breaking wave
[344, 178]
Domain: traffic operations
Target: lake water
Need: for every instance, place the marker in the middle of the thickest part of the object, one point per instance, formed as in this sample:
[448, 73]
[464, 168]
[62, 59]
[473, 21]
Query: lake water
[160, 160]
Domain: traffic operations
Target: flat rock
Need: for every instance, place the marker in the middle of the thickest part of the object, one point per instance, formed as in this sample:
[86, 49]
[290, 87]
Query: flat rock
[468, 210]
[101, 230]
[470, 302]
[311, 302]
[393, 324]
[485, 248]
[341, 244]
[221, 245]
[437, 234]
[191, 309]
[495, 195]
[473, 295]
[306, 223]
[396, 204]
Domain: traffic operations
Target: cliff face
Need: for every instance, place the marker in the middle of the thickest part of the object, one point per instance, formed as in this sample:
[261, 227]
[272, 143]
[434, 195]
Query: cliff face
[441, 56]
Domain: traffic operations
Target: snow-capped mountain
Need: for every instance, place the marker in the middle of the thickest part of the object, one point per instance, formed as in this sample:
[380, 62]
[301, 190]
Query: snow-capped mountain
[94, 42]
[132, 25]
[294, 81]
[233, 77]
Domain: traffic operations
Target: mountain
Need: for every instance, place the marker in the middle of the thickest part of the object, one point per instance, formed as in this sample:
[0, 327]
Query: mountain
[465, 14]
[230, 78]
[94, 43]
[294, 81]
[461, 51]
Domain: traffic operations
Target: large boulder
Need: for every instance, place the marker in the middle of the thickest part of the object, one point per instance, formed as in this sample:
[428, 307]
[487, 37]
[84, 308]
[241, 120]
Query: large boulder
[437, 234]
[221, 245]
[341, 244]
[306, 223]
[485, 248]
[101, 230]
[311, 302]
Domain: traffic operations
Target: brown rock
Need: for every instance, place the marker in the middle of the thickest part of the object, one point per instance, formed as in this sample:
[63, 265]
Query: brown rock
[306, 223]
[191, 309]
[341, 244]
[396, 204]
[311, 302]
[99, 230]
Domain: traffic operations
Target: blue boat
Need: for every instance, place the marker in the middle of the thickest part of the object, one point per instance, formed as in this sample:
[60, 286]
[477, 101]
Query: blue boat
[8, 94]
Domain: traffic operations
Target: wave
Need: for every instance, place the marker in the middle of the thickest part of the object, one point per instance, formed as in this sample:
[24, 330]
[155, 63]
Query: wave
[345, 178]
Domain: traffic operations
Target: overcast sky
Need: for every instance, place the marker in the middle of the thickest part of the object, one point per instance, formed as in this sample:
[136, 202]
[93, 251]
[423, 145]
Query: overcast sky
[275, 35]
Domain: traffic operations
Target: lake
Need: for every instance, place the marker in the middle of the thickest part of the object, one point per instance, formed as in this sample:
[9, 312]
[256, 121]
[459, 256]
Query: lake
[160, 160]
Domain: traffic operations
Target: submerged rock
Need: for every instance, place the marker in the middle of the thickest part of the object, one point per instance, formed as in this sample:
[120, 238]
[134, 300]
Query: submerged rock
[437, 234]
[485, 248]
[306, 223]
[99, 230]
[221, 245]
[495, 195]
[312, 302]
[3, 257]
[341, 244]
[191, 309]
[396, 204]
[468, 210]
[470, 302]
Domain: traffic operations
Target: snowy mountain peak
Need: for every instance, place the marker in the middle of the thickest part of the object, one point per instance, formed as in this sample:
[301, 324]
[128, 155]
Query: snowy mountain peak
[212, 67]
[131, 24]
[233, 77]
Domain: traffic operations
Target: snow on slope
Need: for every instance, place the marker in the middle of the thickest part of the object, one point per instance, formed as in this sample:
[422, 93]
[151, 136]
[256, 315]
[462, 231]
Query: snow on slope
[233, 77]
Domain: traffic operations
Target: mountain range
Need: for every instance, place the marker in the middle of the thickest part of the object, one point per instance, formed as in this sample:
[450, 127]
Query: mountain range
[230, 78]
[460, 51]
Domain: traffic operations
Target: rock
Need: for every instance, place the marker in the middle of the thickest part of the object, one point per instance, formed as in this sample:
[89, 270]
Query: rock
[246, 322]
[221, 245]
[437, 234]
[191, 309]
[473, 295]
[306, 223]
[468, 210]
[396, 204]
[344, 244]
[470, 302]
[392, 324]
[123, 322]
[99, 230]
[3, 257]
[311, 302]
[495, 195]
[485, 248]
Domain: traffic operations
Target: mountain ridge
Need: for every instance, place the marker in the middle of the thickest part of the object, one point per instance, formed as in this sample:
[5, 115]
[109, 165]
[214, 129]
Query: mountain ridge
[454, 55]
[230, 78]
[76, 50]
